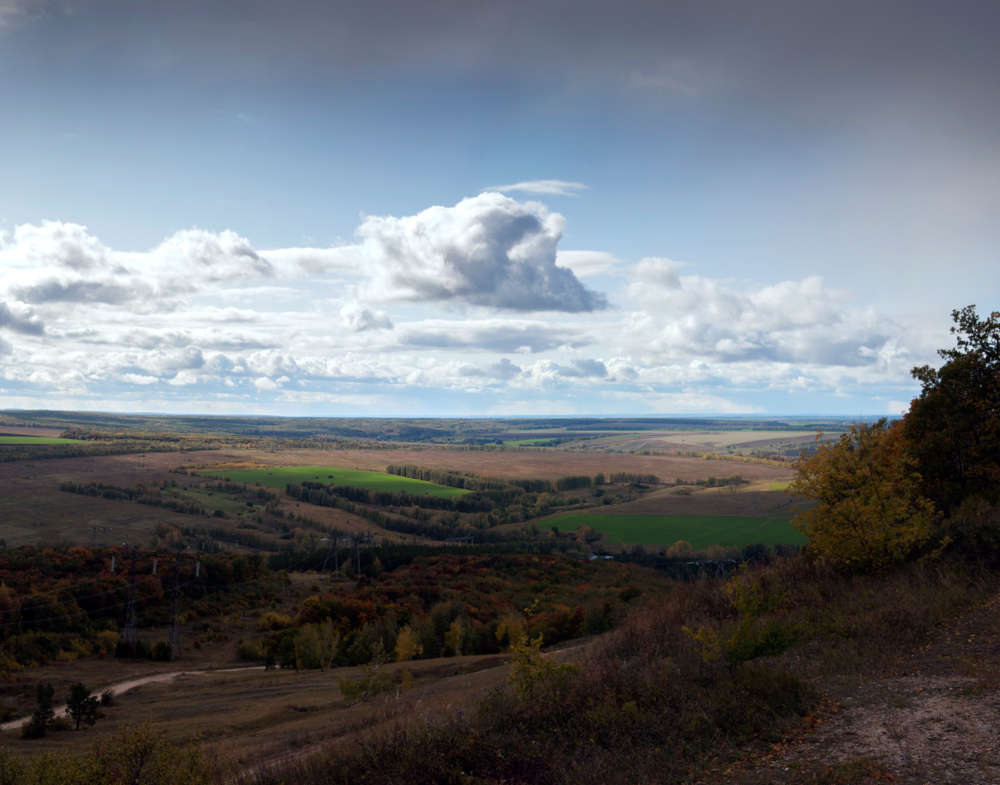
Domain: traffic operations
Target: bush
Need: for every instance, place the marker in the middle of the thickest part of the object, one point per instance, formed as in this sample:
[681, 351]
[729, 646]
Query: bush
[248, 650]
[162, 652]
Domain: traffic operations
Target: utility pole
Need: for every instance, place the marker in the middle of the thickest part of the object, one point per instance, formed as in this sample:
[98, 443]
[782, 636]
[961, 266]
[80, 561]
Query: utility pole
[131, 627]
[174, 635]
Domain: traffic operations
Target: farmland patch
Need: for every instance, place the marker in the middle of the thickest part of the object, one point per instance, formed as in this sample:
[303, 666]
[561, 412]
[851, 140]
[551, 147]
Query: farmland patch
[38, 440]
[701, 531]
[279, 477]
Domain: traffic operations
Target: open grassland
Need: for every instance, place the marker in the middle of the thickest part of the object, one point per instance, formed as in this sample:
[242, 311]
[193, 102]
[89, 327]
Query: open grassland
[548, 465]
[38, 440]
[252, 713]
[701, 531]
[280, 476]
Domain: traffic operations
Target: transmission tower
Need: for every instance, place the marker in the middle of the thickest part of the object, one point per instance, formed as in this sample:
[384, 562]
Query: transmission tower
[174, 635]
[131, 628]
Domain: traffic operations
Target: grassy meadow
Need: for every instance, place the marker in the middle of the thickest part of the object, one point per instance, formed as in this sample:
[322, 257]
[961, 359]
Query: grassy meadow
[701, 531]
[279, 476]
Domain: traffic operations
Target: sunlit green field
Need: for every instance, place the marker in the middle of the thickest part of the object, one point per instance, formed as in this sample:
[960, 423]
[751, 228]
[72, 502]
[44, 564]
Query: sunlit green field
[699, 530]
[38, 440]
[279, 476]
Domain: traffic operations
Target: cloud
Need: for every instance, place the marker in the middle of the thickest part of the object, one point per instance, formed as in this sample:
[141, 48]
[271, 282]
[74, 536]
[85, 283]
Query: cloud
[53, 243]
[504, 369]
[136, 378]
[488, 250]
[792, 322]
[494, 335]
[584, 263]
[162, 362]
[16, 12]
[358, 318]
[21, 318]
[548, 187]
[586, 369]
[208, 257]
[680, 77]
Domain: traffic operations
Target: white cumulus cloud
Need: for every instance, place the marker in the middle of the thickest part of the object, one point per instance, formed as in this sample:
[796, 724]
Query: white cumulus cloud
[489, 250]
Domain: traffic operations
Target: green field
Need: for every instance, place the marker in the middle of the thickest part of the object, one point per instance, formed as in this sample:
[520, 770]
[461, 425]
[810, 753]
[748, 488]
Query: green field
[699, 530]
[38, 440]
[780, 486]
[279, 476]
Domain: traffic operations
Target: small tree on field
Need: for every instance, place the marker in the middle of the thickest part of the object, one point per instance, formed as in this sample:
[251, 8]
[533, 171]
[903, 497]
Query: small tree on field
[82, 706]
[43, 715]
[870, 510]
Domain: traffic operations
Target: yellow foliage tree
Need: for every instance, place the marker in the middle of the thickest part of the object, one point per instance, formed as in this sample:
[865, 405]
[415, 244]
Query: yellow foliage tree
[453, 638]
[407, 647]
[870, 512]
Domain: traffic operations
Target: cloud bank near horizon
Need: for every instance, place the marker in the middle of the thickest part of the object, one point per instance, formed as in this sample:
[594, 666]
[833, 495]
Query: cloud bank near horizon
[473, 305]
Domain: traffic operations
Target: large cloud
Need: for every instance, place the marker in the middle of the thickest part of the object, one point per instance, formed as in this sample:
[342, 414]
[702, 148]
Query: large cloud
[489, 250]
[792, 322]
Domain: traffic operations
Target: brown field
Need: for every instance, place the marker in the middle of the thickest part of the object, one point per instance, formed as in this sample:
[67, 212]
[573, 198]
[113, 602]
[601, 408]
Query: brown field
[545, 465]
[752, 504]
[14, 430]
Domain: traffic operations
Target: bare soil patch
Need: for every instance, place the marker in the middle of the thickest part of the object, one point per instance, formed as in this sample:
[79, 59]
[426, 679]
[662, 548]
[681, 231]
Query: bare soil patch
[752, 504]
[14, 430]
[933, 716]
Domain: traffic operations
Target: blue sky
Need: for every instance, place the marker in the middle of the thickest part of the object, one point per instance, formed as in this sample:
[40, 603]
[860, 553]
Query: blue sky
[445, 208]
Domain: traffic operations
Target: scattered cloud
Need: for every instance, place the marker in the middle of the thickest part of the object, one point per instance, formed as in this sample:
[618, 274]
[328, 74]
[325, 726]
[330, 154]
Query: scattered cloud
[440, 300]
[544, 187]
[20, 317]
[358, 318]
[585, 263]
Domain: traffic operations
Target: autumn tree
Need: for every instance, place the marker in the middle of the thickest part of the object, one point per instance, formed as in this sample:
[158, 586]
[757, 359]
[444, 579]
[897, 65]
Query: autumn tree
[953, 427]
[329, 639]
[870, 511]
[407, 647]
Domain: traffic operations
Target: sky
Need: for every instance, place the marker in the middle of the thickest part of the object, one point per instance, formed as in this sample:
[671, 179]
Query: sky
[443, 208]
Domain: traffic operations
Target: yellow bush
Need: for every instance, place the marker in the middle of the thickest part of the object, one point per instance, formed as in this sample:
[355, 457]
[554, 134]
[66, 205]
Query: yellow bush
[273, 620]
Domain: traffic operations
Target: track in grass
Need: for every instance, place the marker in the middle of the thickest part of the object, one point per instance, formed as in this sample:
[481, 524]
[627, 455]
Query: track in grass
[699, 530]
[279, 476]
[39, 440]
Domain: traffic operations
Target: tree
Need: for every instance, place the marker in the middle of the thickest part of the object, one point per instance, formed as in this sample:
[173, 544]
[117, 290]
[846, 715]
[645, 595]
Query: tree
[82, 706]
[453, 638]
[43, 715]
[870, 510]
[953, 427]
[407, 647]
[307, 648]
[752, 595]
[329, 639]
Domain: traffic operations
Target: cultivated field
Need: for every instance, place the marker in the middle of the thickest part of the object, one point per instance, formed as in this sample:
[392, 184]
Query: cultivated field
[702, 531]
[548, 465]
[280, 476]
[5, 439]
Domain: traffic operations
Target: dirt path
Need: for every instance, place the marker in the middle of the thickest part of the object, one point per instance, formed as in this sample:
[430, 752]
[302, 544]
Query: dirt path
[934, 719]
[124, 686]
